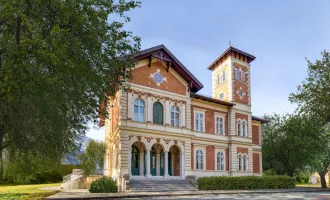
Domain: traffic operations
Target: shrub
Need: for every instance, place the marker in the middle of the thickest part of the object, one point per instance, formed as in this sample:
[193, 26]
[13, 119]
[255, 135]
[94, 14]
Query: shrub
[245, 182]
[43, 177]
[104, 185]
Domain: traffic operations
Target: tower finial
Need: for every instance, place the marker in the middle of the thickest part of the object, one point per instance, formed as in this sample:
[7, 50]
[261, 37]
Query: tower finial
[229, 43]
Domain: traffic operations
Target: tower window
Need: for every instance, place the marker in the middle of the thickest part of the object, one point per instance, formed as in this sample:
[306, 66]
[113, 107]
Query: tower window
[222, 95]
[223, 76]
[238, 74]
[243, 75]
[218, 79]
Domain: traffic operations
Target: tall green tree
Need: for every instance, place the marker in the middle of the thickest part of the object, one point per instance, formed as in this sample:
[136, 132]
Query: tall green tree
[313, 98]
[93, 157]
[57, 61]
[290, 142]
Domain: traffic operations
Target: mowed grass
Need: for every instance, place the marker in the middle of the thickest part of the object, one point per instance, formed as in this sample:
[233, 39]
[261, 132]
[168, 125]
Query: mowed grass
[26, 192]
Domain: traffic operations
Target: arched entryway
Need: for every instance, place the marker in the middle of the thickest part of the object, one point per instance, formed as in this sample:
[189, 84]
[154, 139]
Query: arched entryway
[174, 161]
[157, 160]
[137, 159]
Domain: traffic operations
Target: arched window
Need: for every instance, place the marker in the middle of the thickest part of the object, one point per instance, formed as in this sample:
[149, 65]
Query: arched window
[238, 74]
[138, 110]
[243, 75]
[218, 79]
[223, 76]
[239, 162]
[175, 116]
[158, 117]
[239, 128]
[221, 161]
[243, 129]
[199, 159]
[245, 163]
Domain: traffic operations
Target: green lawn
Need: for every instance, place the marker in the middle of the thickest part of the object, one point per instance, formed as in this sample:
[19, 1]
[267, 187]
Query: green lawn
[25, 192]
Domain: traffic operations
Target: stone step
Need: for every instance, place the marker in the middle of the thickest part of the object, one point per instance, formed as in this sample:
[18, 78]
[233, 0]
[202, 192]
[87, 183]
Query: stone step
[159, 185]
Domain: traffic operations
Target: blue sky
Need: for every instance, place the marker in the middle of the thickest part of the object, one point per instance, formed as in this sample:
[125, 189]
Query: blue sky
[281, 34]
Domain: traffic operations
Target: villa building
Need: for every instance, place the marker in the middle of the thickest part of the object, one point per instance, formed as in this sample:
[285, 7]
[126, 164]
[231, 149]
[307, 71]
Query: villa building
[161, 126]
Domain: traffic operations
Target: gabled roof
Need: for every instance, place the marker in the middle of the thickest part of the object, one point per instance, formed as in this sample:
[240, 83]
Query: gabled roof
[250, 57]
[163, 53]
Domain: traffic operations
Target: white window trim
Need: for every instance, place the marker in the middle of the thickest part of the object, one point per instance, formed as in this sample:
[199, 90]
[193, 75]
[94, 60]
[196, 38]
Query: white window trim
[215, 123]
[216, 160]
[204, 158]
[144, 109]
[199, 111]
[239, 121]
[242, 162]
[174, 117]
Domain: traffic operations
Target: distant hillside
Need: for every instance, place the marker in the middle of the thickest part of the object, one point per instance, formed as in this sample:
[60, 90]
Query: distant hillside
[72, 158]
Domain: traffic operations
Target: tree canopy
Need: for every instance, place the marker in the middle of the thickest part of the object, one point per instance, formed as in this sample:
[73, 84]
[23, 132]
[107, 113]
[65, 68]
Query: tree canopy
[313, 99]
[57, 60]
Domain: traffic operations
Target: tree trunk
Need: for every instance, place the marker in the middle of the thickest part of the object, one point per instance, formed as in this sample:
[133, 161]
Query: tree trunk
[323, 182]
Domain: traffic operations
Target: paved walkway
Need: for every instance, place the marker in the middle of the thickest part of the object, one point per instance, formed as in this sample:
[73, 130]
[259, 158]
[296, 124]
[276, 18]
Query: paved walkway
[228, 194]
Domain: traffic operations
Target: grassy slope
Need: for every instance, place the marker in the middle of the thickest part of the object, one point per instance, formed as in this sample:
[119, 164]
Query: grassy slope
[25, 192]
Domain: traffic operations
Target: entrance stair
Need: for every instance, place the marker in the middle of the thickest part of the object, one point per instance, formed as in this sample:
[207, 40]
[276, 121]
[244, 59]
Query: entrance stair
[160, 185]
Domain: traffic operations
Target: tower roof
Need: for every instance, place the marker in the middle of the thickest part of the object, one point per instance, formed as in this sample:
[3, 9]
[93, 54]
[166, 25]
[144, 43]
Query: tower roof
[231, 51]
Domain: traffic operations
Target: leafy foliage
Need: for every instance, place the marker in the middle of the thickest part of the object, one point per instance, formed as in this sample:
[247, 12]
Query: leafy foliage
[104, 185]
[92, 157]
[290, 142]
[313, 99]
[245, 182]
[57, 61]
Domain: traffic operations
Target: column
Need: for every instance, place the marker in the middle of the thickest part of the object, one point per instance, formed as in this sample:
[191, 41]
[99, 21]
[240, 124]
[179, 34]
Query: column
[182, 165]
[148, 175]
[168, 113]
[172, 169]
[166, 164]
[149, 109]
[130, 162]
[142, 164]
[157, 164]
[183, 115]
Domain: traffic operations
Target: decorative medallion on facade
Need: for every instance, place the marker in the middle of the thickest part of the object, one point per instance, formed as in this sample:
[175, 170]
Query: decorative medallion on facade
[158, 77]
[240, 93]
[166, 141]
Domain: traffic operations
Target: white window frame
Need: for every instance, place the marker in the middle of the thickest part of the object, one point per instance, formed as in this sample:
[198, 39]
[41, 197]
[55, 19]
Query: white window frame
[246, 164]
[219, 115]
[195, 124]
[144, 110]
[239, 162]
[224, 160]
[195, 158]
[240, 129]
[174, 111]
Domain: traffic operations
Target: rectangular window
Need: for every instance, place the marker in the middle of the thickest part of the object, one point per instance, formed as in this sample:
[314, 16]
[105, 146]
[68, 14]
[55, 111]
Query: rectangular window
[199, 122]
[219, 125]
[218, 80]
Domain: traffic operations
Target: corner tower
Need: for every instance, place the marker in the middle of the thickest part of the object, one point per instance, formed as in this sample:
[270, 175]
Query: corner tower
[231, 76]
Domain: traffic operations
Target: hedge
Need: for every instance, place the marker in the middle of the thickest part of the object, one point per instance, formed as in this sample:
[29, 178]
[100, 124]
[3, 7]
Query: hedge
[104, 185]
[245, 182]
